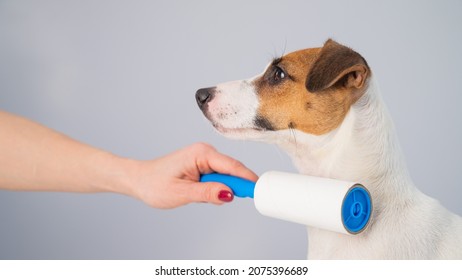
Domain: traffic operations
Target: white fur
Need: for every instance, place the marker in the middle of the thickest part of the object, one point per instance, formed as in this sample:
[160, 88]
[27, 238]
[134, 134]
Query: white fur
[406, 224]
[234, 108]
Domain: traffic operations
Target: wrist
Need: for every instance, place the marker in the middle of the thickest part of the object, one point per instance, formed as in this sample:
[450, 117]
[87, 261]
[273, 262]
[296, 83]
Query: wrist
[120, 175]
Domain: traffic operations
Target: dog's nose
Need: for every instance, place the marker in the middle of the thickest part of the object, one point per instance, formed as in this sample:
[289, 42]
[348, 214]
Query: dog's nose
[204, 95]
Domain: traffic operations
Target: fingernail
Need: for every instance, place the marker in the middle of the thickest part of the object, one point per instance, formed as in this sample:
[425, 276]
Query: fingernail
[225, 196]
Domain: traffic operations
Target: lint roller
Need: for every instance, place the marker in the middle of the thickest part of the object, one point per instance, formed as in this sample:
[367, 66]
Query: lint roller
[324, 203]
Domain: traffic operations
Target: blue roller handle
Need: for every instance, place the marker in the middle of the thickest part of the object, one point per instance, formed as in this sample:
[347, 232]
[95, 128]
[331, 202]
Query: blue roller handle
[240, 187]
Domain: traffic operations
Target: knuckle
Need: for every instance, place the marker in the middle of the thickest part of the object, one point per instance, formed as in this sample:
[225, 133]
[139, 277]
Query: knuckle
[207, 193]
[235, 164]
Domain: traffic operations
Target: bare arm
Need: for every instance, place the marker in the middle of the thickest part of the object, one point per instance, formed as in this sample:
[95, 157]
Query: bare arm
[36, 158]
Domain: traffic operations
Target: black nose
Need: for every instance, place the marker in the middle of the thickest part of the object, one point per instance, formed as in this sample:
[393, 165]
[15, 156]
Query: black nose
[204, 95]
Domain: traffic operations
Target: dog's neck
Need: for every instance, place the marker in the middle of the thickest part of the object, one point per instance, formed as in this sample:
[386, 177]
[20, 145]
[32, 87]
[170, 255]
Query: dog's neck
[363, 149]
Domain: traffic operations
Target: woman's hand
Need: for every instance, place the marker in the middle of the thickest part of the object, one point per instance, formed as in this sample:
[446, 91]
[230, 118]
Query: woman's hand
[172, 180]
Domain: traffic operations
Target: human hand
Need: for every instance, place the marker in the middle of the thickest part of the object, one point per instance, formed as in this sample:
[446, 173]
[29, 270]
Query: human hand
[172, 180]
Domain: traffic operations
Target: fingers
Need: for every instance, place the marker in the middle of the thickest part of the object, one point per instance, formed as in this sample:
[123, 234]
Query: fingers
[210, 192]
[217, 162]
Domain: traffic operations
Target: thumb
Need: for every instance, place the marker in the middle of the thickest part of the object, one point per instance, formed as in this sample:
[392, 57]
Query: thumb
[211, 192]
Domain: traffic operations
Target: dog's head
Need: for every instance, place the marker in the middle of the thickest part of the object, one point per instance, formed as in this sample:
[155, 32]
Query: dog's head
[309, 90]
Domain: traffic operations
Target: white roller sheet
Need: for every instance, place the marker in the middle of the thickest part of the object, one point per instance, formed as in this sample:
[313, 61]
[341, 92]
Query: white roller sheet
[302, 199]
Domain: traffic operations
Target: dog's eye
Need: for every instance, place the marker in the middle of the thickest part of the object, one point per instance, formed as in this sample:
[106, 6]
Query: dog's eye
[279, 74]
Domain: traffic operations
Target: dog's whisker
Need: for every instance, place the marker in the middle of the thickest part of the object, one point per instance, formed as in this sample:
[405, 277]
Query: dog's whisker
[285, 46]
[295, 138]
[293, 134]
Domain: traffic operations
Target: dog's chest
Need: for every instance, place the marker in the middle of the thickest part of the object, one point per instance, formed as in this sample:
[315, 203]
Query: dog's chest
[329, 245]
[324, 244]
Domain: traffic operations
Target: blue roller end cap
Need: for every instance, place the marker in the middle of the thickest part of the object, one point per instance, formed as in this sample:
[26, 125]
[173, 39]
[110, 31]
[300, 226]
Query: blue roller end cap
[356, 209]
[240, 187]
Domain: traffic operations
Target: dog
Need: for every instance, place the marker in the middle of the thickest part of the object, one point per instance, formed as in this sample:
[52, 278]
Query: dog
[323, 107]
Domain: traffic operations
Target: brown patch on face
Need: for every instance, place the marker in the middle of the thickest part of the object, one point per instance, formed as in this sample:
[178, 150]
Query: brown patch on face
[311, 90]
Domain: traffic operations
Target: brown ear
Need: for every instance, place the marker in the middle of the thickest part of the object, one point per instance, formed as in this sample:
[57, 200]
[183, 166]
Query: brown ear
[337, 65]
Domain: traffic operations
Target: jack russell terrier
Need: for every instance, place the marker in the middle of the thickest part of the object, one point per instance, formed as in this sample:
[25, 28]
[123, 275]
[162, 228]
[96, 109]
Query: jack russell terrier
[323, 107]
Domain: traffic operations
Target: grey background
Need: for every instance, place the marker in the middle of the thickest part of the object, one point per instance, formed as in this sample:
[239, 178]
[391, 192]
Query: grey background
[121, 75]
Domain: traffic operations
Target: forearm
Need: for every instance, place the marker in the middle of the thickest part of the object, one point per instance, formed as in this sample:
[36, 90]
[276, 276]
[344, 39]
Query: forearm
[33, 157]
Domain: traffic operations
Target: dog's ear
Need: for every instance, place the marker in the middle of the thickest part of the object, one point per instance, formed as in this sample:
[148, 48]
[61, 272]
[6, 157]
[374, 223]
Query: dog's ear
[337, 65]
